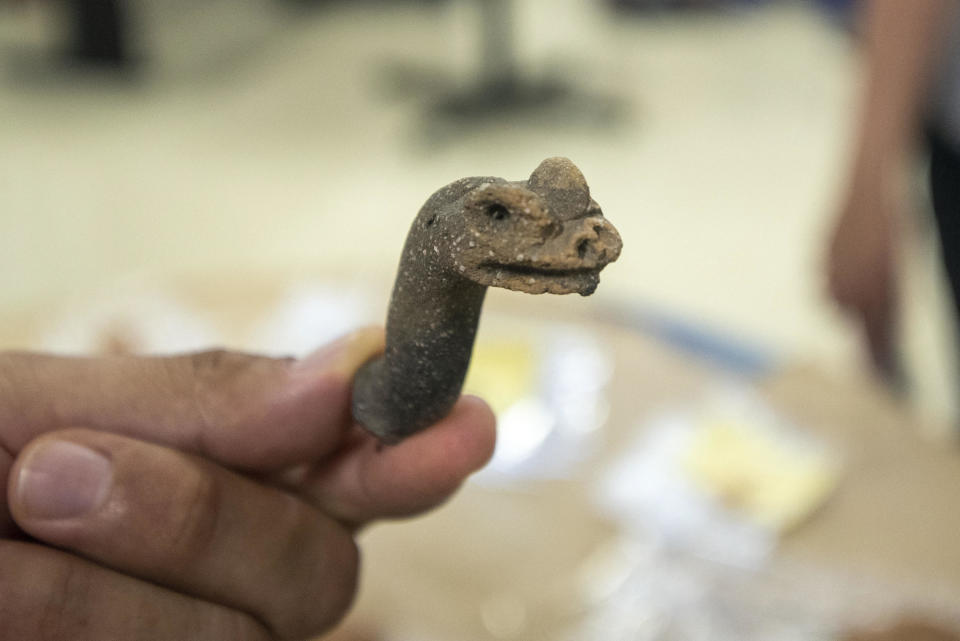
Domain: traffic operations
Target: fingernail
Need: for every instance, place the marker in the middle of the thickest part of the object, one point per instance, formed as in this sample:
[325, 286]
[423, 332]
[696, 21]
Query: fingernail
[345, 355]
[62, 480]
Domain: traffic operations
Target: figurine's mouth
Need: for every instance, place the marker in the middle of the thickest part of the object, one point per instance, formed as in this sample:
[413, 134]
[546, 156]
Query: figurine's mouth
[535, 271]
[535, 279]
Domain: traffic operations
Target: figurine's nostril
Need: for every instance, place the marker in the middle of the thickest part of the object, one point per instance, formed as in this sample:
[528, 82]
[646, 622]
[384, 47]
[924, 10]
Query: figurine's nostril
[582, 247]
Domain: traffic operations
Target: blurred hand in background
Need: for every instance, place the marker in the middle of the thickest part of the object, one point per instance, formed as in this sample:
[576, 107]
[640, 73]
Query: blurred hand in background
[863, 262]
[903, 44]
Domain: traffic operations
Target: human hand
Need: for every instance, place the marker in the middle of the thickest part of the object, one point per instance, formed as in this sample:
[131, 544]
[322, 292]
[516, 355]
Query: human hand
[209, 496]
[862, 267]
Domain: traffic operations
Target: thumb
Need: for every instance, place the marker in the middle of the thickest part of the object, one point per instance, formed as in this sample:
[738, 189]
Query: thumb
[241, 410]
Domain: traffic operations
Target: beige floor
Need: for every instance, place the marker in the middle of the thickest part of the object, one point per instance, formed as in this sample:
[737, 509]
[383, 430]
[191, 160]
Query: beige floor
[270, 143]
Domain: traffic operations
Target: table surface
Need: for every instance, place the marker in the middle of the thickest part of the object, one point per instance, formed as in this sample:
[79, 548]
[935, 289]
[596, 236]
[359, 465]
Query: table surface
[892, 519]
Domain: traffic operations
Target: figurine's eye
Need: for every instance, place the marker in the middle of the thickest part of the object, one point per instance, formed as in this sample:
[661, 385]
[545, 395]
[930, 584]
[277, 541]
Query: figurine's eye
[497, 211]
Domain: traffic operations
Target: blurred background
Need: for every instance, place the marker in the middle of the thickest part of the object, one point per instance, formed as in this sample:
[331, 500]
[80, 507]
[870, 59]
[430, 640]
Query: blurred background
[179, 174]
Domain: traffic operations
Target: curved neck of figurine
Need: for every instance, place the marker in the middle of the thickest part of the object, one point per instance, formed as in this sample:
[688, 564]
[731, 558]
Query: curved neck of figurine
[432, 322]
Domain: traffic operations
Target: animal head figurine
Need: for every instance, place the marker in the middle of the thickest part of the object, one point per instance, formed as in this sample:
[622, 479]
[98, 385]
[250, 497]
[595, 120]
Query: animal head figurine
[542, 235]
[545, 234]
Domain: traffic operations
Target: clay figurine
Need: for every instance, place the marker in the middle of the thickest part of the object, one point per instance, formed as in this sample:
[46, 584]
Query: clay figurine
[543, 235]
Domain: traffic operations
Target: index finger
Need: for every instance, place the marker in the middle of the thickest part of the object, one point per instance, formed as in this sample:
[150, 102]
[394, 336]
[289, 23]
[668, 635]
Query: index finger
[366, 481]
[244, 411]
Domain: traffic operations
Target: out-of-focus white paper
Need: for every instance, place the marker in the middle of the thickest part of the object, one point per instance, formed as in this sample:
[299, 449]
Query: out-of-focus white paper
[309, 315]
[641, 590]
[549, 392]
[131, 319]
[721, 479]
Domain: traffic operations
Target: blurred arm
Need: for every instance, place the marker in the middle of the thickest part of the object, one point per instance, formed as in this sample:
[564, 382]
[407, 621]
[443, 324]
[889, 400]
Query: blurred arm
[902, 42]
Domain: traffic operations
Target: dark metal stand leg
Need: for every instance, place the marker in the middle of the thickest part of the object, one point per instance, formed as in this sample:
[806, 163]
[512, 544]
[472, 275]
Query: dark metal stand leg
[99, 32]
[498, 65]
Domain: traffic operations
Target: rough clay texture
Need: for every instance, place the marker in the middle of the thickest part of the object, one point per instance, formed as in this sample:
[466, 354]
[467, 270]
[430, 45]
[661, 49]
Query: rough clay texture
[542, 235]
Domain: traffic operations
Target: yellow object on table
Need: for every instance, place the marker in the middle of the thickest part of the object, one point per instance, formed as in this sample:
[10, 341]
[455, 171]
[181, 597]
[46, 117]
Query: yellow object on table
[758, 473]
[502, 372]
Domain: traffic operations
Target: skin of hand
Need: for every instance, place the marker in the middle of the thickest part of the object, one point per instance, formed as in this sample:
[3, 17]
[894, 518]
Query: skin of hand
[863, 265]
[208, 496]
[902, 42]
